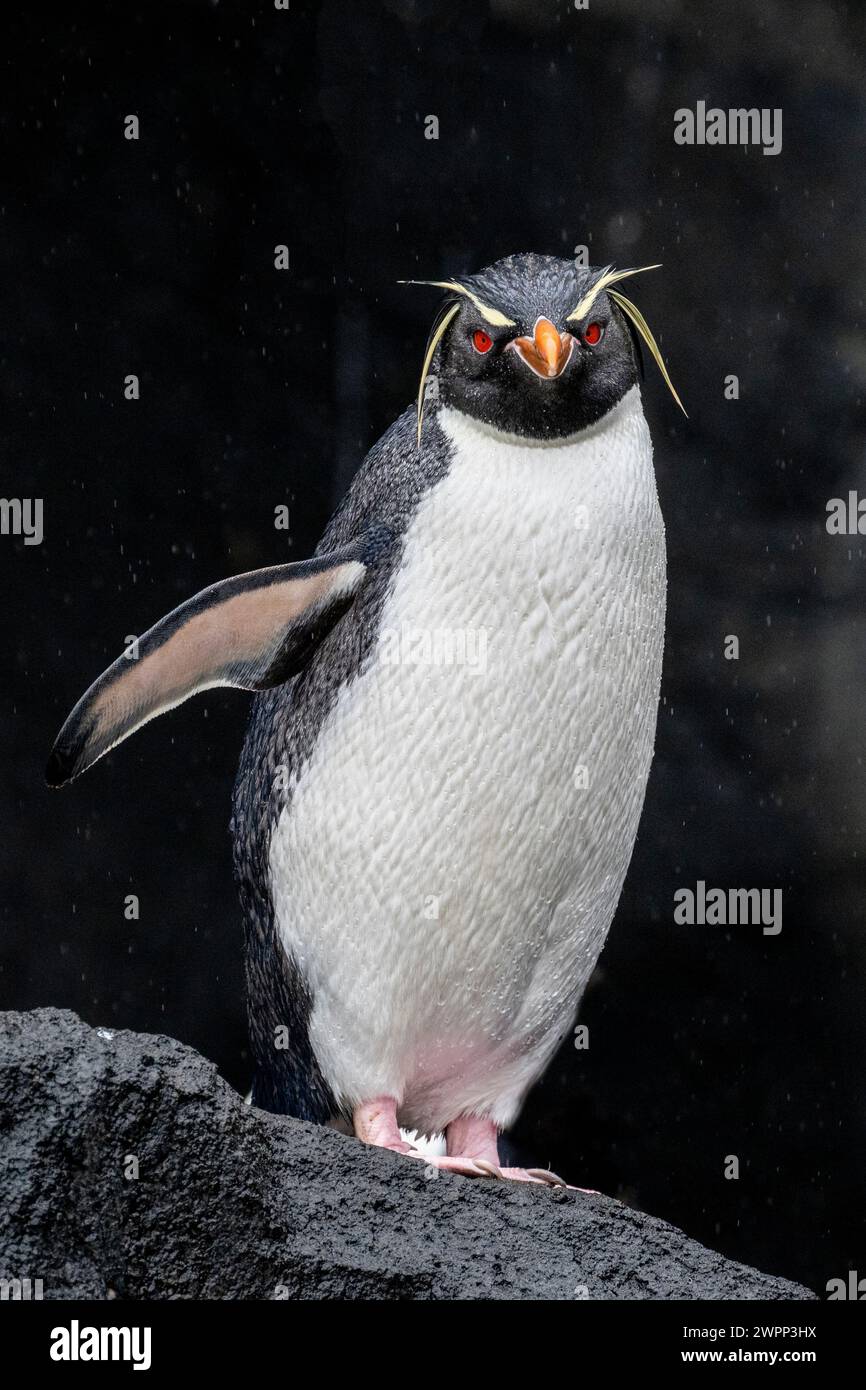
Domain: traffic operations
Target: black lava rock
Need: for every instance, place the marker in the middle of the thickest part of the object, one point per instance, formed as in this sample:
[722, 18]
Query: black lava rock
[129, 1167]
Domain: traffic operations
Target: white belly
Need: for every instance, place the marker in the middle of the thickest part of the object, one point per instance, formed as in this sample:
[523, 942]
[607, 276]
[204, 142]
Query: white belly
[442, 874]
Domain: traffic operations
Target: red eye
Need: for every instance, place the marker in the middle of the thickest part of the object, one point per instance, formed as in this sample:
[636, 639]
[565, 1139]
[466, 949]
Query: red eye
[592, 334]
[481, 341]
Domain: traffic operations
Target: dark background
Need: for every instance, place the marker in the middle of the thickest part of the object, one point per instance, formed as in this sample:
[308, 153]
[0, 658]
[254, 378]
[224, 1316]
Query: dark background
[260, 387]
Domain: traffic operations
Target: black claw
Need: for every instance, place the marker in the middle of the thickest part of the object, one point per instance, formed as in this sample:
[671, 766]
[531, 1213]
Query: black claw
[545, 1175]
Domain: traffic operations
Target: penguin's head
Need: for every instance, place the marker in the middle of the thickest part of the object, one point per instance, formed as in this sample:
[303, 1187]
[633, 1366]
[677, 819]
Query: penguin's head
[536, 346]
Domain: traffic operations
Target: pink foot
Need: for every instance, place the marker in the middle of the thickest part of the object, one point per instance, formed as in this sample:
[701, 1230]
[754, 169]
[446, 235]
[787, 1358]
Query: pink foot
[478, 1139]
[376, 1123]
[446, 1163]
[472, 1144]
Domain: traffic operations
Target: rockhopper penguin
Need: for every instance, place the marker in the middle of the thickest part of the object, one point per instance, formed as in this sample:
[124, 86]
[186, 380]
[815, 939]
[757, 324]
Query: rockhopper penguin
[446, 760]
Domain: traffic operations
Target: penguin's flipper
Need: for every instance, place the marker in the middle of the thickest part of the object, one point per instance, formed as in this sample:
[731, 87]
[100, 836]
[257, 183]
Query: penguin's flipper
[252, 632]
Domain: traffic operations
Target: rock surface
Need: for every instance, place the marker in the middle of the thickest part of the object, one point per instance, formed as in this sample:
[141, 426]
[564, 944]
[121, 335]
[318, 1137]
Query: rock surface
[230, 1202]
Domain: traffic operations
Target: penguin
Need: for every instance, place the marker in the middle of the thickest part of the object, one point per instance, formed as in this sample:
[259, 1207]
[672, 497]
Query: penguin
[453, 722]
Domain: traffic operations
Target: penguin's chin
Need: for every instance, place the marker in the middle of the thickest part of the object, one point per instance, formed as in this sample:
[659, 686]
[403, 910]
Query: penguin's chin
[533, 410]
[505, 435]
[536, 411]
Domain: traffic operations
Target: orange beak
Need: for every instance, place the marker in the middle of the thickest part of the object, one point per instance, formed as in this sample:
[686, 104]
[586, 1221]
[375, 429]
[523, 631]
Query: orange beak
[548, 352]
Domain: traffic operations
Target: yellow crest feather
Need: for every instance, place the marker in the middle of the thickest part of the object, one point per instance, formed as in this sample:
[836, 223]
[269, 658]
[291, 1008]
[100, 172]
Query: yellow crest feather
[493, 316]
[435, 339]
[643, 329]
[608, 277]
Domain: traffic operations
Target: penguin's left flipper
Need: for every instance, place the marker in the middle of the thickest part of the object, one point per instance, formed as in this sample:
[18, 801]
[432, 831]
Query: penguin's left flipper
[252, 632]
